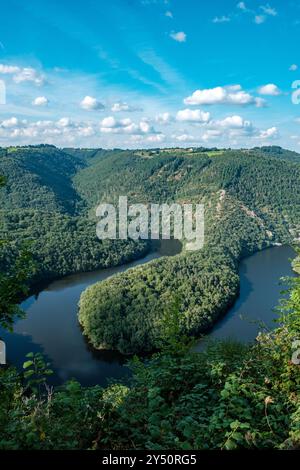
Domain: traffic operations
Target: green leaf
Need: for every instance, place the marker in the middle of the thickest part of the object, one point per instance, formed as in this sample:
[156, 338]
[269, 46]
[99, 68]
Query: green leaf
[27, 364]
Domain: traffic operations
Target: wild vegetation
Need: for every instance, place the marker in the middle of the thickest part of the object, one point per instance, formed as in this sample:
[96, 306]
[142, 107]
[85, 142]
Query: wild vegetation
[41, 207]
[229, 397]
[251, 201]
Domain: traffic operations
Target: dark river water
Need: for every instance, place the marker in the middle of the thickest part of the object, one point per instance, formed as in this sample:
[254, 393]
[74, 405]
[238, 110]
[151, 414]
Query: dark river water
[51, 324]
[260, 291]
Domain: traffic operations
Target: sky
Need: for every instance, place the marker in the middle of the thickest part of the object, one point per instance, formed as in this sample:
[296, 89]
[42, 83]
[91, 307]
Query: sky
[150, 73]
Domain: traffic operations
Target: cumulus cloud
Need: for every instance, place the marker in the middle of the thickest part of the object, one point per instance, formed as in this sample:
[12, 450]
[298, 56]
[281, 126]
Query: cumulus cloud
[86, 131]
[122, 106]
[44, 130]
[236, 127]
[269, 89]
[270, 133]
[293, 67]
[29, 75]
[9, 69]
[211, 134]
[179, 37]
[222, 95]
[184, 138]
[228, 128]
[233, 122]
[90, 103]
[25, 74]
[192, 115]
[40, 101]
[164, 118]
[110, 125]
[10, 123]
[156, 138]
[259, 14]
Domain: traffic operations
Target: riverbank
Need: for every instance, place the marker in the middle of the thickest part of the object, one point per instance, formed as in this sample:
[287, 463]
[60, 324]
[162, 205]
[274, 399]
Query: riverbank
[51, 325]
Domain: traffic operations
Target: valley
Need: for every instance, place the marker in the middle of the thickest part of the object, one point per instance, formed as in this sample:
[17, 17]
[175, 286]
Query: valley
[198, 376]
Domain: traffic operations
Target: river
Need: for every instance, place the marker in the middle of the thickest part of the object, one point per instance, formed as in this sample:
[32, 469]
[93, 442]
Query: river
[51, 324]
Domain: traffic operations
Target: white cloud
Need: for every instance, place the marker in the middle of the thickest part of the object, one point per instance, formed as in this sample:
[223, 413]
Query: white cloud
[259, 19]
[222, 95]
[41, 131]
[269, 89]
[87, 131]
[91, 104]
[122, 106]
[9, 69]
[242, 6]
[293, 67]
[118, 107]
[156, 138]
[169, 14]
[65, 122]
[179, 37]
[9, 123]
[221, 19]
[270, 133]
[260, 102]
[164, 118]
[40, 101]
[234, 122]
[184, 138]
[145, 127]
[110, 125]
[26, 74]
[192, 115]
[268, 10]
[259, 15]
[230, 127]
[211, 134]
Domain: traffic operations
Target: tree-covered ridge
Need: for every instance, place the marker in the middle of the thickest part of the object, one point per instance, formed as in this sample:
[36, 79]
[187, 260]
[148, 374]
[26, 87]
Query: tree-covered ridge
[278, 152]
[126, 312]
[251, 200]
[61, 244]
[40, 205]
[39, 178]
[231, 396]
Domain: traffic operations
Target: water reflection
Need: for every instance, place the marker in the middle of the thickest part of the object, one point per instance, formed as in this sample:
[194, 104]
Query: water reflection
[51, 327]
[260, 291]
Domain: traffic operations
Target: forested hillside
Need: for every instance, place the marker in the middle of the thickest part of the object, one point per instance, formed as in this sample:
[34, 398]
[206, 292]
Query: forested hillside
[251, 200]
[39, 178]
[41, 207]
[229, 397]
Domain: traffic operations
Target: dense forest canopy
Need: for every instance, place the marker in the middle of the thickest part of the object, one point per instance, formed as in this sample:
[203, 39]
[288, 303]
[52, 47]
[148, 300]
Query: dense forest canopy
[229, 397]
[251, 200]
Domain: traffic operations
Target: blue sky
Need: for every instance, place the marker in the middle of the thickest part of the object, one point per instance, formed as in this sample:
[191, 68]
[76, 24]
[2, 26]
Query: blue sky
[149, 73]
